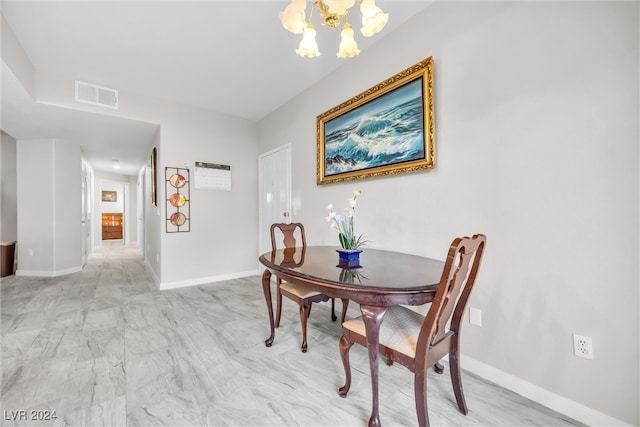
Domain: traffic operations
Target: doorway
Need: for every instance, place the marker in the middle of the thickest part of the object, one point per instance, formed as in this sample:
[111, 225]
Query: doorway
[114, 210]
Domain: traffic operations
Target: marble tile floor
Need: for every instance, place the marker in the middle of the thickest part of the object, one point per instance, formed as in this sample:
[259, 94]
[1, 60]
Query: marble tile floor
[105, 347]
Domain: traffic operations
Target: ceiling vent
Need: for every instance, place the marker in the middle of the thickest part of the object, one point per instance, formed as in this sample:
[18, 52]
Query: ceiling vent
[96, 95]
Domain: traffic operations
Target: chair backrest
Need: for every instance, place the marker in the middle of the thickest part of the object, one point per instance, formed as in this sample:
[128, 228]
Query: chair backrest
[288, 231]
[458, 277]
[289, 239]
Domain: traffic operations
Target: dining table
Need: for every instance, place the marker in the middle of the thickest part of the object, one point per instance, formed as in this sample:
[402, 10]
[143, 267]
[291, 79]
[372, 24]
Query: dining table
[379, 279]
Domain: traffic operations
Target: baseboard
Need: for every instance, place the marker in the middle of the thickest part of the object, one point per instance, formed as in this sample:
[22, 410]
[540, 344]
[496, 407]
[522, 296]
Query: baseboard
[44, 273]
[209, 279]
[558, 403]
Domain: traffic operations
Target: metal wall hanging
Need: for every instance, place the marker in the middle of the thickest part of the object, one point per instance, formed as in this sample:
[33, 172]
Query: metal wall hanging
[178, 196]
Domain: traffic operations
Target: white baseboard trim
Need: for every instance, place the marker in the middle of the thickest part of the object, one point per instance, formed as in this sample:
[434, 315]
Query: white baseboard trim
[210, 279]
[45, 273]
[558, 403]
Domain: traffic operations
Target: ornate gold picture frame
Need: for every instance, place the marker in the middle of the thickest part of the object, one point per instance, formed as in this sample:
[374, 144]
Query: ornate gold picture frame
[385, 130]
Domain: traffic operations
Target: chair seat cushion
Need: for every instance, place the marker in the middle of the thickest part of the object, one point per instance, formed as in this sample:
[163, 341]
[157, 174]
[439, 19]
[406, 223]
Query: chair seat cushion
[399, 330]
[300, 291]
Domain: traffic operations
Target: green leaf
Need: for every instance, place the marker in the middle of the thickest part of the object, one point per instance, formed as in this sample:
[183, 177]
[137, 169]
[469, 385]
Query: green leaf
[343, 241]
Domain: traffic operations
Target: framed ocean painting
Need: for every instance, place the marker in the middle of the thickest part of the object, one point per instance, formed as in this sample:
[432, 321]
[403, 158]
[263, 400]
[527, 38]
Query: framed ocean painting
[386, 130]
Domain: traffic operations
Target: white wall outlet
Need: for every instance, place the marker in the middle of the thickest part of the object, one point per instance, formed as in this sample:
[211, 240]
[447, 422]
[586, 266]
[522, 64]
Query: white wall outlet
[582, 346]
[30, 252]
[475, 316]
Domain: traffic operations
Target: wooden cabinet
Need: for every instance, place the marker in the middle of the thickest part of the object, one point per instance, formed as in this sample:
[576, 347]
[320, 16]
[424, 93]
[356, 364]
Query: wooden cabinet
[111, 226]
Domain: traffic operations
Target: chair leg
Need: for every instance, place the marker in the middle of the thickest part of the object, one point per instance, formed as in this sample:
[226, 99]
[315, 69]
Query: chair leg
[305, 308]
[345, 305]
[308, 310]
[345, 345]
[333, 310]
[278, 306]
[456, 379]
[420, 390]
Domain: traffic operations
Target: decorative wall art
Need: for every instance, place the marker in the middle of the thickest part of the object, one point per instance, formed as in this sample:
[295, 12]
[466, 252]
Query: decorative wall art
[154, 178]
[109, 196]
[387, 129]
[177, 202]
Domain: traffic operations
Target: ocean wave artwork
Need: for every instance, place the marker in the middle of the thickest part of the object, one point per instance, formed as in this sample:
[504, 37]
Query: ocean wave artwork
[385, 131]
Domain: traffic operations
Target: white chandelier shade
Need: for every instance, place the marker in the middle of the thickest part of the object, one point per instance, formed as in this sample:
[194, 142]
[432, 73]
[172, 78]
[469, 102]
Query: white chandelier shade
[331, 14]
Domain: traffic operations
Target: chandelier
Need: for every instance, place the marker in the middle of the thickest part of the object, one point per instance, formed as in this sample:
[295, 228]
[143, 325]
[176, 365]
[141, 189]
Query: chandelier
[331, 14]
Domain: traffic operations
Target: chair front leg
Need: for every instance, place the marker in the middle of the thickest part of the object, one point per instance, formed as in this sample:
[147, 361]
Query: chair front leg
[420, 390]
[344, 345]
[305, 308]
[278, 304]
[456, 378]
[333, 310]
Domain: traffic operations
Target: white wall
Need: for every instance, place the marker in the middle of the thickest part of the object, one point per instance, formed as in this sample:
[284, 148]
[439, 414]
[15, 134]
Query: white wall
[8, 189]
[223, 239]
[118, 204]
[49, 207]
[536, 115]
[67, 191]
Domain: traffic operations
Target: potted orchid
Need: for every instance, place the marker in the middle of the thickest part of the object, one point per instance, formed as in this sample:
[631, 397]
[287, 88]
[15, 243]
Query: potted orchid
[343, 224]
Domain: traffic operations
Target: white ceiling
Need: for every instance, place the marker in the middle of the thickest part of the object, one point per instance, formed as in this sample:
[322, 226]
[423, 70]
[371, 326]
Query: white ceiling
[232, 57]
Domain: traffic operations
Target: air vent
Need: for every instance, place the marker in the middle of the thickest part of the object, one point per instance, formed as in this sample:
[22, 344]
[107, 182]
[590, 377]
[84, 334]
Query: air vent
[96, 95]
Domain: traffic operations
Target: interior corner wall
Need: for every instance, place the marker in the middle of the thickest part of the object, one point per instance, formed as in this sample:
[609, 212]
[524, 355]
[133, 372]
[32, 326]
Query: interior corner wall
[536, 130]
[8, 189]
[49, 208]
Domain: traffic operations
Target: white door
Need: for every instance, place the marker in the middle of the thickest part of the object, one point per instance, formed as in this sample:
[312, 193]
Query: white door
[275, 191]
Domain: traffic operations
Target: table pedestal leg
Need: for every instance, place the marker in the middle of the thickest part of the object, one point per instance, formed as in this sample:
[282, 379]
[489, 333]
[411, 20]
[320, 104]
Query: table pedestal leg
[372, 317]
[266, 288]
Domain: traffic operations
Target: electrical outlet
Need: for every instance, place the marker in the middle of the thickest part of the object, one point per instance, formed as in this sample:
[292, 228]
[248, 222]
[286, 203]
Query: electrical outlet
[475, 316]
[582, 346]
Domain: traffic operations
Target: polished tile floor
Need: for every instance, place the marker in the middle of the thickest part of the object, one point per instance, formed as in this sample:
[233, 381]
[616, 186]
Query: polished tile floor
[106, 347]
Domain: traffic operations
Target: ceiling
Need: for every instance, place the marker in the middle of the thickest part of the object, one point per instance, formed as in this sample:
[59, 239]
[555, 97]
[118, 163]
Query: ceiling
[232, 57]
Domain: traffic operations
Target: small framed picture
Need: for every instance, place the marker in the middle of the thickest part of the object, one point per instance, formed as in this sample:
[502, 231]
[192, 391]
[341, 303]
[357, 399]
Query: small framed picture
[109, 196]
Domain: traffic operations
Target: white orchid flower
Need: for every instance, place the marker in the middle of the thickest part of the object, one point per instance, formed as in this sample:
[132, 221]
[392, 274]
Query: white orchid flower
[343, 224]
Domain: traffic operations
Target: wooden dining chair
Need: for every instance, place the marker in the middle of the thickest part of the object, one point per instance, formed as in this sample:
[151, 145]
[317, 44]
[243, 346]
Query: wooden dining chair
[301, 294]
[419, 342]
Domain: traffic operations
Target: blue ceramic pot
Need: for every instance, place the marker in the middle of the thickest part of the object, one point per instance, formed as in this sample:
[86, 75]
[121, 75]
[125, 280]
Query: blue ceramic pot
[348, 258]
